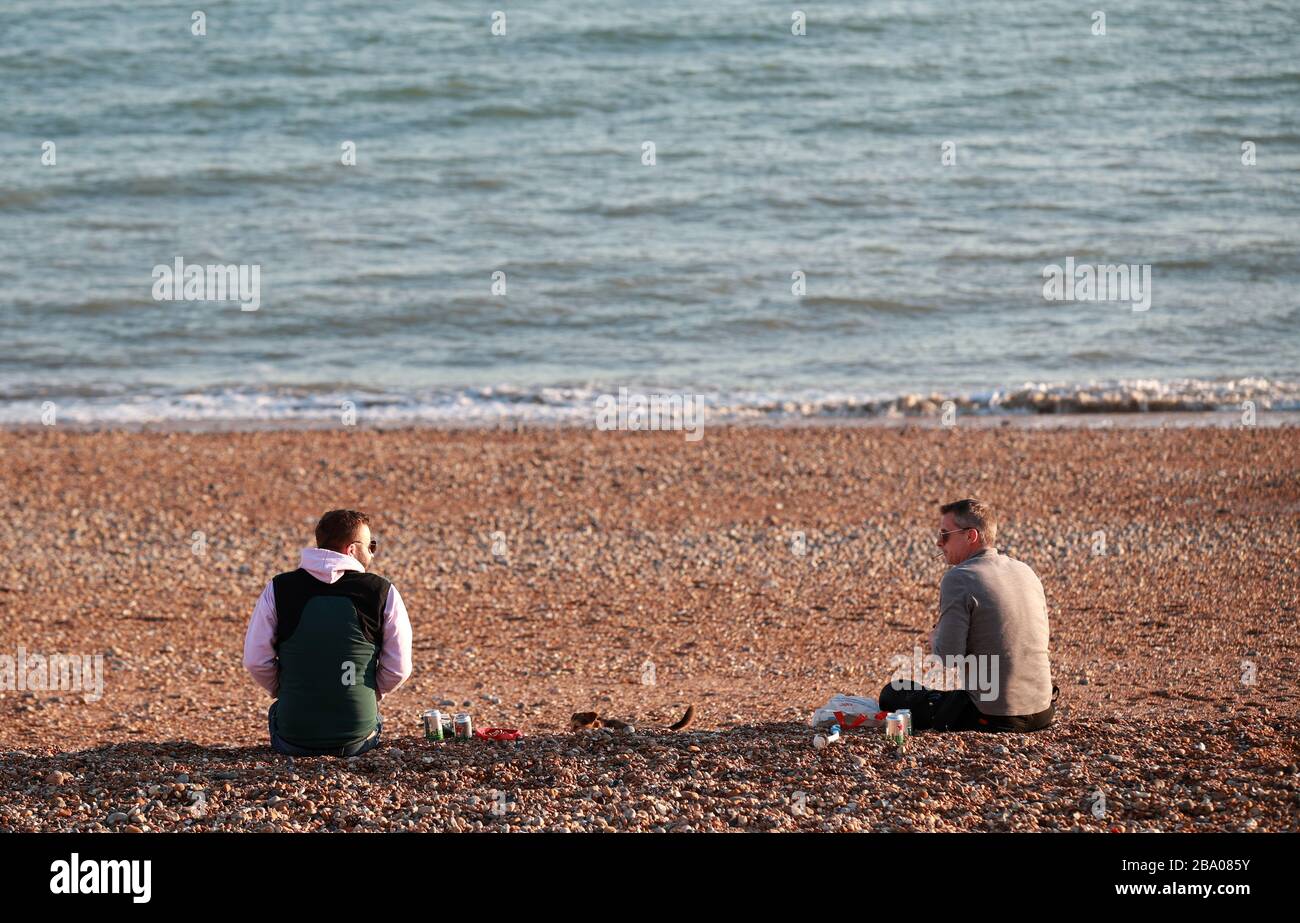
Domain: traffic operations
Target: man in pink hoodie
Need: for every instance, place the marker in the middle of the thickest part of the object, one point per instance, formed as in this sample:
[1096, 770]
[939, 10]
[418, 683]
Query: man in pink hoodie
[328, 641]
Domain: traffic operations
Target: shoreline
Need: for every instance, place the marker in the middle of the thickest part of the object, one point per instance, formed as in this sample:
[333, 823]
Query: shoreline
[1175, 401]
[1159, 419]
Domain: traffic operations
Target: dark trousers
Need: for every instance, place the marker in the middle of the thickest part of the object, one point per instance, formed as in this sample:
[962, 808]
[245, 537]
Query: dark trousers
[356, 748]
[935, 709]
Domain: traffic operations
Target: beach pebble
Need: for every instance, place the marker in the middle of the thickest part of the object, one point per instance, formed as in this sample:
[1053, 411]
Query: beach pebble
[685, 571]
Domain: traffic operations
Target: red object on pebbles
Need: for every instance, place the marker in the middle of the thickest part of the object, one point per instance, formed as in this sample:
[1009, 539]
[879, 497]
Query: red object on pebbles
[498, 734]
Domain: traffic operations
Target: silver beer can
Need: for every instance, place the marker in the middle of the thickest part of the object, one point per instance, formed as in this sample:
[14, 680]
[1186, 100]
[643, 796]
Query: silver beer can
[433, 725]
[464, 726]
[896, 729]
[906, 714]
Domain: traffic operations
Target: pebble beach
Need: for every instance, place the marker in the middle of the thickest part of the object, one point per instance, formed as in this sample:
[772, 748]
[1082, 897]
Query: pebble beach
[754, 573]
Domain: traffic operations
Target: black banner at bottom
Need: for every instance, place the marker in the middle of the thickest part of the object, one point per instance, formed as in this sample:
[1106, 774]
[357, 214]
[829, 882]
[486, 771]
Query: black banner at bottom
[233, 872]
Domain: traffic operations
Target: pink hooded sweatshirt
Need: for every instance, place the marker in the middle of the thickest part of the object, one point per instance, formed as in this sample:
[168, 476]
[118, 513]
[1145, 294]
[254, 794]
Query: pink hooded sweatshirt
[327, 566]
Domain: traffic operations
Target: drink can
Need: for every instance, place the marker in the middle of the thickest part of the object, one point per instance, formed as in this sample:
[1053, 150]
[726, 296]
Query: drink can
[906, 714]
[896, 729]
[433, 725]
[464, 726]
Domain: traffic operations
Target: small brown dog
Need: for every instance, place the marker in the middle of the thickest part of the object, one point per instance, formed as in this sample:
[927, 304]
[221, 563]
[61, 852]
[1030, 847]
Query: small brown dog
[585, 720]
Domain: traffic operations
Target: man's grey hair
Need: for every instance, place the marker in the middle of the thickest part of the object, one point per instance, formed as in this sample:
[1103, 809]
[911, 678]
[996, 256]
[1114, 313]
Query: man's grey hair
[974, 514]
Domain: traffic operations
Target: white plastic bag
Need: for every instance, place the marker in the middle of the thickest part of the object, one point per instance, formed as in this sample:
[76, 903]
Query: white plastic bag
[855, 711]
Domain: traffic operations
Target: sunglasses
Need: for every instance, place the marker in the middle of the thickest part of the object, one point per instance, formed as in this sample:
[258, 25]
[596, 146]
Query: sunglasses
[943, 536]
[374, 545]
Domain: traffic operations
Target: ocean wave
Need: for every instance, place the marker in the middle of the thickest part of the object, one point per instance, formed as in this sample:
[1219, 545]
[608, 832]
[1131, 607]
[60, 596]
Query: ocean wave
[575, 406]
[508, 111]
[867, 305]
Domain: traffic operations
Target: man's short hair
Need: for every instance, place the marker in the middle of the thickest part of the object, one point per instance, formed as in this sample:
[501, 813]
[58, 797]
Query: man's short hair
[974, 514]
[338, 528]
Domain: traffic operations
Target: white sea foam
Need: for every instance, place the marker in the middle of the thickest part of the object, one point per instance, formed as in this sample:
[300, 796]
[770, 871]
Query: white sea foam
[509, 405]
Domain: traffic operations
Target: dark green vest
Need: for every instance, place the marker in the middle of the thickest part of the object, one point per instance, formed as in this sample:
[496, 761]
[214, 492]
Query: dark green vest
[328, 637]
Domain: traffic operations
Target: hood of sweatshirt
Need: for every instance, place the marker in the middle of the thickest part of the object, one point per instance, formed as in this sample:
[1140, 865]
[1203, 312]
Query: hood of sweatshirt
[328, 566]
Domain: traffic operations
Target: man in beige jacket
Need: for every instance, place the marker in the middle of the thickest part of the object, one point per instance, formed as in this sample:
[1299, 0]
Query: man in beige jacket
[992, 636]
